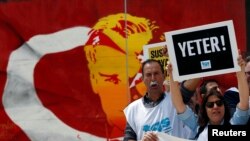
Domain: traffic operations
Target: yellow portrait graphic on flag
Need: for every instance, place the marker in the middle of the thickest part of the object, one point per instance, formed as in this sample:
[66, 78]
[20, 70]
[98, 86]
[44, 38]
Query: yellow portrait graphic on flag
[114, 53]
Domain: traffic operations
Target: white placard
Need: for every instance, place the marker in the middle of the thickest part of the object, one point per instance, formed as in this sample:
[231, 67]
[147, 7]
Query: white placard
[202, 51]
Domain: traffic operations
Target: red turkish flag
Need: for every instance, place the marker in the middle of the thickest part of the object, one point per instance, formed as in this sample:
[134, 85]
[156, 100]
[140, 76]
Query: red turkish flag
[60, 106]
[45, 86]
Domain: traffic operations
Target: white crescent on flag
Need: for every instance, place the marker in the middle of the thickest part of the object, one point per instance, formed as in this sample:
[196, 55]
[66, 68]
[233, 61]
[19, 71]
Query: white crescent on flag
[20, 99]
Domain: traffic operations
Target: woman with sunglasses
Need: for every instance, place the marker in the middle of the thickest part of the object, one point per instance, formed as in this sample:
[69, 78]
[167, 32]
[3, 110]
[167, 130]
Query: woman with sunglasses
[213, 110]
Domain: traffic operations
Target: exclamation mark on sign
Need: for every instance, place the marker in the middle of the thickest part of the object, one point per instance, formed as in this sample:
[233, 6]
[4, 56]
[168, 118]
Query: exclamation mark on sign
[222, 42]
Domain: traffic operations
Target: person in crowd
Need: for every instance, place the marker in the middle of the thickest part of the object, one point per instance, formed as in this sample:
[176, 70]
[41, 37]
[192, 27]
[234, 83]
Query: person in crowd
[205, 86]
[154, 112]
[231, 97]
[194, 103]
[247, 71]
[232, 94]
[208, 84]
[213, 110]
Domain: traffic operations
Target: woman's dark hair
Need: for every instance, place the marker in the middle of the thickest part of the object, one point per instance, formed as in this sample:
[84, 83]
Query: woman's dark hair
[203, 117]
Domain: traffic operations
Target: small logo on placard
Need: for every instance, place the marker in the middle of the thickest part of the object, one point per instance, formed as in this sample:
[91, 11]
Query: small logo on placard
[206, 64]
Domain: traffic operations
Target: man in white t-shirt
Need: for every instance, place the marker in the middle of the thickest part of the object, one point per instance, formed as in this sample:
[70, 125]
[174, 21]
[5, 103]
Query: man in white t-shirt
[155, 112]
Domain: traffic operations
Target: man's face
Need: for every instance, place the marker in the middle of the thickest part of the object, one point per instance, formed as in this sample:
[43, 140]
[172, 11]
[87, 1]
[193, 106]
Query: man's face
[152, 73]
[211, 85]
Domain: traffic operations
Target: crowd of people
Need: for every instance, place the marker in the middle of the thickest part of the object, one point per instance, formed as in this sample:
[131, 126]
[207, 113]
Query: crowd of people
[179, 112]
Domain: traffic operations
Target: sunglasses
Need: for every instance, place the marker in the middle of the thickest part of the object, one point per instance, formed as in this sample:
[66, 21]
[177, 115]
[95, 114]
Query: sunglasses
[219, 103]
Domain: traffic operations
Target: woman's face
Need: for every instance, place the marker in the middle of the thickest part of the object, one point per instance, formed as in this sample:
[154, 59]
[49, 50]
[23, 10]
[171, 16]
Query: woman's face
[215, 110]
